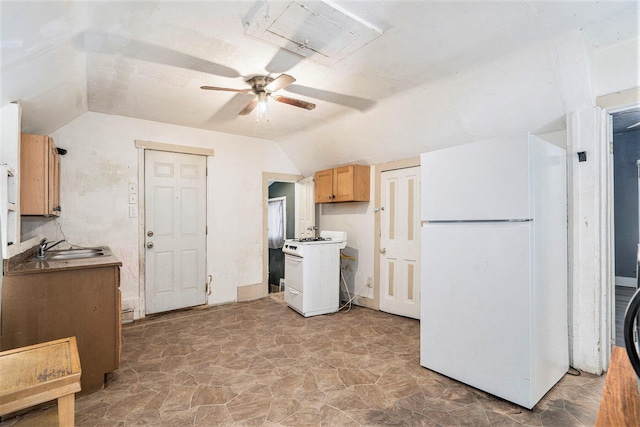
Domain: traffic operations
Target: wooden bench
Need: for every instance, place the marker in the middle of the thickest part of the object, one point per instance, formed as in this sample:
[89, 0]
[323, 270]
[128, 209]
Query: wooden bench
[620, 402]
[40, 373]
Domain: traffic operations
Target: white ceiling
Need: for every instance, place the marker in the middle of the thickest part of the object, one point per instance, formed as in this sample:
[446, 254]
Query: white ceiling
[148, 59]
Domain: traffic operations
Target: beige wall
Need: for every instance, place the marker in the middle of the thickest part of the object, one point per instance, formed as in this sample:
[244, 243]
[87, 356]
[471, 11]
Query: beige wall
[102, 160]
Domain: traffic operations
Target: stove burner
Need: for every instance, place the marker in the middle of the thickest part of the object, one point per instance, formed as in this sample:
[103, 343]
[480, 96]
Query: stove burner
[311, 239]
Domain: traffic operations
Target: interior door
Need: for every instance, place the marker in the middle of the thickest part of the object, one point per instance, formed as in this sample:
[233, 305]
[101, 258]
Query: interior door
[175, 230]
[400, 242]
[305, 208]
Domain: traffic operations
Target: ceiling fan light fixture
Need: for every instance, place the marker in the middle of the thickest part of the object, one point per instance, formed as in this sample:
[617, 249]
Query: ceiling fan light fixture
[263, 108]
[263, 87]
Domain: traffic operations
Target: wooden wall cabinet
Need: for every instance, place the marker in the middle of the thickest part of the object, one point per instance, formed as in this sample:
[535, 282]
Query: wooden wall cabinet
[39, 176]
[84, 303]
[343, 184]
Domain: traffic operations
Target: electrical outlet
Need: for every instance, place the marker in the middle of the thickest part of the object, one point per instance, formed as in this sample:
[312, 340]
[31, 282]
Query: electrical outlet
[369, 282]
[132, 199]
[133, 211]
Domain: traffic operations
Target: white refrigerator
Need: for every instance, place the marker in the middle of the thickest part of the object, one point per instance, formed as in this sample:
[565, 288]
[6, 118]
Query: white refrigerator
[494, 266]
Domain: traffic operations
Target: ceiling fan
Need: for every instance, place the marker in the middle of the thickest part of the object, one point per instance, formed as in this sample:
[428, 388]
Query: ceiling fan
[264, 87]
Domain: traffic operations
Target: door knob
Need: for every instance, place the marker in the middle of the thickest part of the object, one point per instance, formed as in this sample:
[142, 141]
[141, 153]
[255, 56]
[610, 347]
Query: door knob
[149, 245]
[383, 250]
[150, 233]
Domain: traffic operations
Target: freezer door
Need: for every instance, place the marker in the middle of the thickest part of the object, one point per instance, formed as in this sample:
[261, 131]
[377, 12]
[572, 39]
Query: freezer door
[475, 312]
[487, 180]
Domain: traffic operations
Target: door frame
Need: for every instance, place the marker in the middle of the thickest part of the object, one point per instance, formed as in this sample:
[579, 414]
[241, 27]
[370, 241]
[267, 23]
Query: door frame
[591, 313]
[612, 103]
[260, 290]
[172, 148]
[383, 167]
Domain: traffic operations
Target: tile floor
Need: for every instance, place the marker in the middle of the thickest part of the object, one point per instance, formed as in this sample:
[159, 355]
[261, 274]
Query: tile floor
[261, 364]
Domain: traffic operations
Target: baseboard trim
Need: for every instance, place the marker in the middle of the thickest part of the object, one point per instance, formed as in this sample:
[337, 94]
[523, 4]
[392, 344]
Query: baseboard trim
[365, 302]
[251, 292]
[630, 282]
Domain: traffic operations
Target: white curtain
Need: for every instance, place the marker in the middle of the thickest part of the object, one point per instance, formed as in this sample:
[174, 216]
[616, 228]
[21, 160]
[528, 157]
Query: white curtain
[277, 209]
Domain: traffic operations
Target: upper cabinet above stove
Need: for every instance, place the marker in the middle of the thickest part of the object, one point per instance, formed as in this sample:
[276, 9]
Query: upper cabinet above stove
[343, 184]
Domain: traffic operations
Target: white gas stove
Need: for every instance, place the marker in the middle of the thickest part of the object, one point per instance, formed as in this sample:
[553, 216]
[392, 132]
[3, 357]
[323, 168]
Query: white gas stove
[296, 247]
[312, 273]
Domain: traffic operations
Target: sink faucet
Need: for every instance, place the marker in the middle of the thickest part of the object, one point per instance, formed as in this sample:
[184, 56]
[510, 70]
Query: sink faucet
[45, 246]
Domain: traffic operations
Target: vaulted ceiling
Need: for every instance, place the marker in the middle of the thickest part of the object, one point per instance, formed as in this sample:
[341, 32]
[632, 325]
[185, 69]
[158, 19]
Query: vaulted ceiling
[148, 59]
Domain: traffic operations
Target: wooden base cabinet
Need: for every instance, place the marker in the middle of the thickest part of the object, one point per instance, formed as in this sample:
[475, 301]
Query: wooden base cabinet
[84, 303]
[343, 184]
[39, 176]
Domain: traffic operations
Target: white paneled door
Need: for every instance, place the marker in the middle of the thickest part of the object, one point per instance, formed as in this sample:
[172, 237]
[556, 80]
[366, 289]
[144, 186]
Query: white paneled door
[175, 230]
[400, 242]
[305, 208]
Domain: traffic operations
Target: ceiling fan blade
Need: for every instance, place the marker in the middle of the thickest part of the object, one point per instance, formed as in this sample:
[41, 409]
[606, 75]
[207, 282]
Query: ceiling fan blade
[226, 89]
[294, 102]
[249, 107]
[229, 111]
[282, 81]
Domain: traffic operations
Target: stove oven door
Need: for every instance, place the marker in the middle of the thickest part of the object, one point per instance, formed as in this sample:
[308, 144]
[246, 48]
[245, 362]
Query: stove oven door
[293, 281]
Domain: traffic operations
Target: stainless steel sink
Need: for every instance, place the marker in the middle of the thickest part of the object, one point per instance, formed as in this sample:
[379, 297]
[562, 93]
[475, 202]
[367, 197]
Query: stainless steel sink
[72, 254]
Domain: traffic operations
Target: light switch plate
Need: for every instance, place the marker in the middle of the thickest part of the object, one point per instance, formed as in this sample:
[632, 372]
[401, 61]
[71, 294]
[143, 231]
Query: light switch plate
[132, 198]
[133, 211]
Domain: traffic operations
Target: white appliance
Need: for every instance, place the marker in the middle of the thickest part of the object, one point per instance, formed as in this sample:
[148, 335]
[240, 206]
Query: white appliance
[494, 266]
[312, 273]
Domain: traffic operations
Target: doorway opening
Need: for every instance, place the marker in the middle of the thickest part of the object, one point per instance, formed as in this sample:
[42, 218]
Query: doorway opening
[260, 290]
[626, 204]
[281, 226]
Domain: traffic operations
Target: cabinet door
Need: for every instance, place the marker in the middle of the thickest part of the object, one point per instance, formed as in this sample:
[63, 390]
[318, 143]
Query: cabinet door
[34, 163]
[324, 186]
[39, 176]
[83, 303]
[53, 198]
[343, 183]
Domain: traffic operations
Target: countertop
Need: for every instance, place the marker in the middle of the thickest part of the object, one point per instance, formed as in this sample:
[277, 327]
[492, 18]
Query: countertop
[25, 263]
